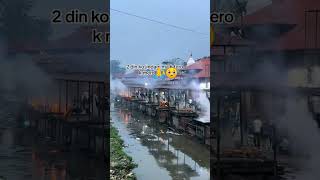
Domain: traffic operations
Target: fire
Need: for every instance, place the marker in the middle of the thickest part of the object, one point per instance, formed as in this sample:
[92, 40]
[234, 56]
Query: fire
[37, 104]
[124, 94]
[164, 104]
[43, 106]
[54, 108]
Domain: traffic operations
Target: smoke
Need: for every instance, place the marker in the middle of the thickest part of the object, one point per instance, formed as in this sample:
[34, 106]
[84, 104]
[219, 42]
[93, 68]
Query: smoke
[20, 75]
[202, 99]
[21, 80]
[117, 87]
[145, 81]
[304, 135]
[270, 73]
[281, 103]
[22, 72]
[205, 107]
[288, 111]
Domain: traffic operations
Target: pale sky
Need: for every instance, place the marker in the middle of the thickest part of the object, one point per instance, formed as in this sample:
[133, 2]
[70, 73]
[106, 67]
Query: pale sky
[139, 41]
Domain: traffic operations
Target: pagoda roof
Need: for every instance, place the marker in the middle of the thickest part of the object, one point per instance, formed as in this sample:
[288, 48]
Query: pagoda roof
[201, 64]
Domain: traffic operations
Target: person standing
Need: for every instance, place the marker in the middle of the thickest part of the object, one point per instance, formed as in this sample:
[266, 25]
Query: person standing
[267, 134]
[257, 127]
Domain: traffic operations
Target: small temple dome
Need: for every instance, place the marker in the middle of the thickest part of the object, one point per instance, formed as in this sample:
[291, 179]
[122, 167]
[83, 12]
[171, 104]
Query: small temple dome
[190, 60]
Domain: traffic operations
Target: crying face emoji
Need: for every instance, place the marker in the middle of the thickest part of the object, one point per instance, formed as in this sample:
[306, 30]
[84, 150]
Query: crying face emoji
[171, 73]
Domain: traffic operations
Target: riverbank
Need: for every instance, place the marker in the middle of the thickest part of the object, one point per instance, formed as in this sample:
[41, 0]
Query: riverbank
[158, 151]
[121, 164]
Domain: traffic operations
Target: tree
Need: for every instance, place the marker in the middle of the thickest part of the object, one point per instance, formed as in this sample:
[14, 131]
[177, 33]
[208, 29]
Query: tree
[174, 61]
[115, 67]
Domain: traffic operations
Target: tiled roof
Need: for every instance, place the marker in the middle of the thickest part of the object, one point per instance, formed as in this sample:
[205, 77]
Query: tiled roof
[201, 64]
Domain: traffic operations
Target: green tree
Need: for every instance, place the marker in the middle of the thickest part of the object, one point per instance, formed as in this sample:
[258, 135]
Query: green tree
[174, 61]
[115, 67]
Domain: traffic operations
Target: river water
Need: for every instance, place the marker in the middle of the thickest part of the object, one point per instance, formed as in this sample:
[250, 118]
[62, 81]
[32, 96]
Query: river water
[26, 156]
[160, 154]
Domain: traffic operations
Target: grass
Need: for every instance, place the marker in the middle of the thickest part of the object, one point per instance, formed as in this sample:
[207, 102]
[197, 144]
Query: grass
[121, 164]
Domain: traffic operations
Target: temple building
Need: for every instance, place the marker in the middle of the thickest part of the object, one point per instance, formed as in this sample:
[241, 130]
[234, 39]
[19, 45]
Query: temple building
[266, 66]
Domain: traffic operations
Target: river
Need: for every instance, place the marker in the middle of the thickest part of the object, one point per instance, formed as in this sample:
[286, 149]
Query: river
[160, 154]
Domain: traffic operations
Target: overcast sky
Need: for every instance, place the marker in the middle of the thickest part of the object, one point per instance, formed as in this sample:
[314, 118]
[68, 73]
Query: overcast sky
[139, 41]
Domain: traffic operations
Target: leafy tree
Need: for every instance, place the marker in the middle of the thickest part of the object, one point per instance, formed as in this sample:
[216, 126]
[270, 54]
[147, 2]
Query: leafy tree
[115, 67]
[174, 61]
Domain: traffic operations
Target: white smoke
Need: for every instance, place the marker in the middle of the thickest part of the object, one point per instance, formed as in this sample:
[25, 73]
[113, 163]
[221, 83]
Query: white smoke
[19, 74]
[304, 135]
[205, 107]
[202, 99]
[296, 122]
[117, 87]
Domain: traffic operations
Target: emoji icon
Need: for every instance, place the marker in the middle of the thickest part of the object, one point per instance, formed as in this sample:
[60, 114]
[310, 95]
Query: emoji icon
[158, 72]
[171, 73]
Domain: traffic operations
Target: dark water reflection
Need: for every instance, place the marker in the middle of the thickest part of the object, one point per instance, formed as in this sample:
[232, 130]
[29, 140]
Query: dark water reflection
[25, 156]
[159, 153]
